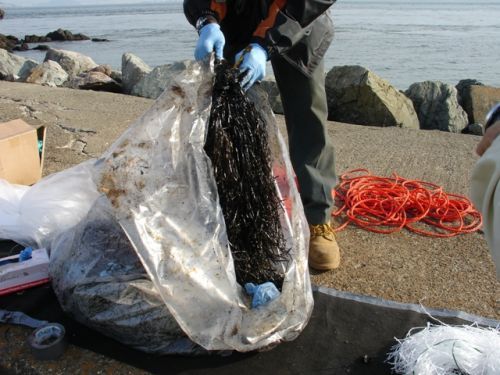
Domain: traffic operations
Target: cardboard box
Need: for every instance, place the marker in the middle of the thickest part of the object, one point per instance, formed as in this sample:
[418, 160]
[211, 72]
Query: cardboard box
[18, 276]
[20, 160]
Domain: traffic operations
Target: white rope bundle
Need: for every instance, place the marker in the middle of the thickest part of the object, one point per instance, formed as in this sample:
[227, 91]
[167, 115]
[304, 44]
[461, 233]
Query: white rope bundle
[448, 350]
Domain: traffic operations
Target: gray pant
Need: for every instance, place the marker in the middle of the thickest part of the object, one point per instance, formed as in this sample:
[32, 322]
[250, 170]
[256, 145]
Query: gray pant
[311, 152]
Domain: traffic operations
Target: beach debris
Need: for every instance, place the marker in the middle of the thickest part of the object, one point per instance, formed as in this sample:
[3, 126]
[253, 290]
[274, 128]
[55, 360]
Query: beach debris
[262, 294]
[447, 350]
[237, 145]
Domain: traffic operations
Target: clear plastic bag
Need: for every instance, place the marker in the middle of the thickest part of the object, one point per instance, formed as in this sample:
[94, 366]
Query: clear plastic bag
[99, 279]
[162, 192]
[149, 262]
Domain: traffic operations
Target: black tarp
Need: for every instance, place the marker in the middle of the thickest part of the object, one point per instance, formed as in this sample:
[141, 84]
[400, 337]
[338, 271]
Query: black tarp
[347, 334]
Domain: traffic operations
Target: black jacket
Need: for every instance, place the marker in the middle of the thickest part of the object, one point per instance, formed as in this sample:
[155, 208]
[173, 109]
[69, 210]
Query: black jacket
[299, 30]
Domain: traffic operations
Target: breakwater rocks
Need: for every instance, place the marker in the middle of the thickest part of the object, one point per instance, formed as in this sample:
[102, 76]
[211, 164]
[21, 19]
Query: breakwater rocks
[355, 94]
[12, 43]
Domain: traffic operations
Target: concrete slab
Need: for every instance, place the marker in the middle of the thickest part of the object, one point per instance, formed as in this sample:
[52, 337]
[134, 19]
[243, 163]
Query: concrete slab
[455, 273]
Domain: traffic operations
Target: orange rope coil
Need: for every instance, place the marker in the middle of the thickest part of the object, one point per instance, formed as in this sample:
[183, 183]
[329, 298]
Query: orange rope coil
[388, 204]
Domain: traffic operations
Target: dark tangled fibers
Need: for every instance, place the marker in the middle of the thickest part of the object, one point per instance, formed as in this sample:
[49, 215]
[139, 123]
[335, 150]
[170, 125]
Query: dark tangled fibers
[237, 144]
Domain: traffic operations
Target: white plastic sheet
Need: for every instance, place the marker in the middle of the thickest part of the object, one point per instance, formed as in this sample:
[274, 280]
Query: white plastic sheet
[447, 350]
[32, 216]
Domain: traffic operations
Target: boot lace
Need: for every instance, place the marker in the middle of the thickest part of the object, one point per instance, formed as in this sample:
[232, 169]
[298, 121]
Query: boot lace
[323, 230]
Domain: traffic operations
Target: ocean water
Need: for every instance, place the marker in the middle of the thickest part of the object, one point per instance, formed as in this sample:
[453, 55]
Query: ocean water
[400, 40]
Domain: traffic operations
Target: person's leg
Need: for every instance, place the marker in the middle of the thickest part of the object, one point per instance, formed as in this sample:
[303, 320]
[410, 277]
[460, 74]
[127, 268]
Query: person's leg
[311, 153]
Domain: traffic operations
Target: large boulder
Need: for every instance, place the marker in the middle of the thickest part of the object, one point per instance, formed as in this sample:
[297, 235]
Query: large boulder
[117, 76]
[36, 39]
[463, 92]
[8, 42]
[49, 73]
[108, 70]
[271, 88]
[66, 35]
[15, 67]
[41, 47]
[437, 106]
[473, 129]
[133, 71]
[21, 47]
[105, 69]
[477, 100]
[358, 96]
[95, 81]
[462, 88]
[153, 84]
[73, 63]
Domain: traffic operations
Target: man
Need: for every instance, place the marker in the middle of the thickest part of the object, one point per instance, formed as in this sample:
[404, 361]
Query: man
[294, 35]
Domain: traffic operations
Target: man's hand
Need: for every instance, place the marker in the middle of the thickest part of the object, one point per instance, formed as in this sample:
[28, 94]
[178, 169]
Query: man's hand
[253, 65]
[211, 39]
[491, 133]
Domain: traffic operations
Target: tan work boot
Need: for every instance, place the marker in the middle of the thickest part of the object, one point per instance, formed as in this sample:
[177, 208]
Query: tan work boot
[324, 252]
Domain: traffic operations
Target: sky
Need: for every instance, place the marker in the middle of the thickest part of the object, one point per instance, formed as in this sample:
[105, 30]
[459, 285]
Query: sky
[75, 2]
[10, 3]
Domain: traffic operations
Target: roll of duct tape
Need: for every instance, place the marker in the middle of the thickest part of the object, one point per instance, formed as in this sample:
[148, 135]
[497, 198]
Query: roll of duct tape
[48, 342]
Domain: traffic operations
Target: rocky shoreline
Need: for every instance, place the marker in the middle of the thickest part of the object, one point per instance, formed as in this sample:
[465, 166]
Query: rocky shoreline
[355, 94]
[12, 43]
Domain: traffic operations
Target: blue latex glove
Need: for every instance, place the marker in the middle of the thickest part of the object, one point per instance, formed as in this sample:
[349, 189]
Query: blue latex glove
[26, 254]
[253, 66]
[262, 294]
[211, 39]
